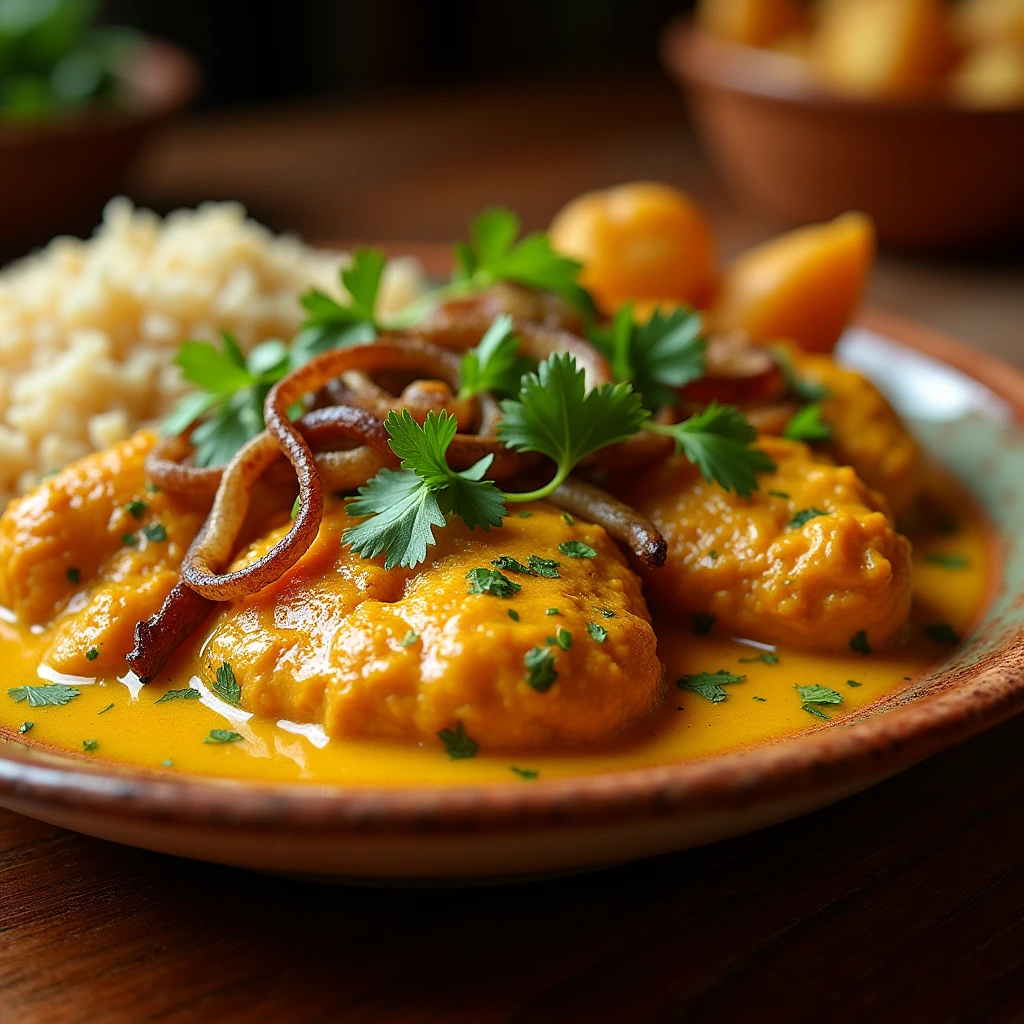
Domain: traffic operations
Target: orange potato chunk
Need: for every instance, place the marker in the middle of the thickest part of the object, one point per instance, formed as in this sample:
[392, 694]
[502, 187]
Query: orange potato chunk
[802, 286]
[643, 240]
[874, 47]
[752, 22]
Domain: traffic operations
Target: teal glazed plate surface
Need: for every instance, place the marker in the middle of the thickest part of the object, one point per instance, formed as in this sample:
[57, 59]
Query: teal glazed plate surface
[965, 407]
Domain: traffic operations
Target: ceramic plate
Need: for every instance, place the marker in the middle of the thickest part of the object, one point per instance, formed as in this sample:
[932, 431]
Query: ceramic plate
[965, 409]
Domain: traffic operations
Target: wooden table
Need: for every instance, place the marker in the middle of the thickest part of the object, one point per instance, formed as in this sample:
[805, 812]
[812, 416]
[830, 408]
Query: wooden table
[905, 903]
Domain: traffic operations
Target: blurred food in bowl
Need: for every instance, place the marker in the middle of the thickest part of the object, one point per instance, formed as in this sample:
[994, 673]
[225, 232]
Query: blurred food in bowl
[910, 110]
[76, 103]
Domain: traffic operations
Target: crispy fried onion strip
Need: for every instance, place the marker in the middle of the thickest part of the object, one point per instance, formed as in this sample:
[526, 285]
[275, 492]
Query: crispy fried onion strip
[619, 520]
[157, 638]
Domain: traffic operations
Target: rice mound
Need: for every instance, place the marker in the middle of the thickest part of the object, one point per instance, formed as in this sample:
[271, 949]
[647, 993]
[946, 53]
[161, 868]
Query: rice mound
[89, 329]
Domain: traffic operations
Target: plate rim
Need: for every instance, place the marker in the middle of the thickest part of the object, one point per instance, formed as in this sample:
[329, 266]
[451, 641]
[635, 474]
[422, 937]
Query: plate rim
[959, 704]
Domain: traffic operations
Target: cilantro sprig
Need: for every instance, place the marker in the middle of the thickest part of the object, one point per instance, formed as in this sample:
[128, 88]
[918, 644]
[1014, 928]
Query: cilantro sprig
[232, 389]
[657, 357]
[718, 442]
[495, 364]
[333, 324]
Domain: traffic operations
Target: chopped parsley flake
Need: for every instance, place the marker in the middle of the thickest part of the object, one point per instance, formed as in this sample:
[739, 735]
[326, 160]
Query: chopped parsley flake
[805, 516]
[562, 637]
[768, 657]
[577, 549]
[510, 564]
[779, 494]
[599, 633]
[546, 567]
[74, 576]
[129, 540]
[226, 686]
[92, 654]
[540, 668]
[812, 710]
[47, 695]
[552, 611]
[853, 683]
[136, 508]
[713, 555]
[105, 710]
[525, 515]
[763, 700]
[806, 424]
[709, 684]
[188, 693]
[411, 637]
[608, 613]
[490, 581]
[947, 561]
[513, 614]
[167, 763]
[524, 773]
[155, 532]
[151, 488]
[702, 623]
[223, 736]
[457, 744]
[942, 633]
[569, 519]
[859, 642]
[25, 727]
[89, 745]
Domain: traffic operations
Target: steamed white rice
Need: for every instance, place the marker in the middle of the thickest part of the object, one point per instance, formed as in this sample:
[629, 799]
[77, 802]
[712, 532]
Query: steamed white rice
[88, 330]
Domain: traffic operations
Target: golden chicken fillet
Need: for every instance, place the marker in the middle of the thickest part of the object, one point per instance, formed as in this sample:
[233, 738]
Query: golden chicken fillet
[812, 559]
[866, 432]
[567, 655]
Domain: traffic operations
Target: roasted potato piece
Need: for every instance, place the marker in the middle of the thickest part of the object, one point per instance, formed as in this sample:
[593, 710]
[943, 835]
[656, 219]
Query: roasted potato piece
[873, 47]
[803, 285]
[812, 559]
[644, 240]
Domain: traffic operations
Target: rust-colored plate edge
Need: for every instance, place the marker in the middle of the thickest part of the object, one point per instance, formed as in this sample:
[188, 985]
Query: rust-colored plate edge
[950, 709]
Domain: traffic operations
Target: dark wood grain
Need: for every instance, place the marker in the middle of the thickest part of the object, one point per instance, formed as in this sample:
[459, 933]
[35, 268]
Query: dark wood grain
[905, 903]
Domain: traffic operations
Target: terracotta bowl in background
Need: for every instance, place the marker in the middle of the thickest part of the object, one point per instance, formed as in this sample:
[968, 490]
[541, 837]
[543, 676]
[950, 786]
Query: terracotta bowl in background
[57, 173]
[930, 174]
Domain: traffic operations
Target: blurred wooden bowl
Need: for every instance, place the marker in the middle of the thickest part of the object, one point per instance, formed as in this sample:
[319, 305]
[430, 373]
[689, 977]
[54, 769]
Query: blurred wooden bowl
[930, 174]
[57, 174]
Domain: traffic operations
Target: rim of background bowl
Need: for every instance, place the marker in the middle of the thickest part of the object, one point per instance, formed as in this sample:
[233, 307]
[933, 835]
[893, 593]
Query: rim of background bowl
[891, 735]
[701, 59]
[161, 78]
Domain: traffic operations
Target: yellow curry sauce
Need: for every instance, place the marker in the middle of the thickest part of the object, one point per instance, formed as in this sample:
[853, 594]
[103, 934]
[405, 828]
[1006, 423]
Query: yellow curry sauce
[122, 721]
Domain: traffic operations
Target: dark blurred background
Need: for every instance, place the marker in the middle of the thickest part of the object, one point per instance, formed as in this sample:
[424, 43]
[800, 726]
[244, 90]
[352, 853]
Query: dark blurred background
[253, 52]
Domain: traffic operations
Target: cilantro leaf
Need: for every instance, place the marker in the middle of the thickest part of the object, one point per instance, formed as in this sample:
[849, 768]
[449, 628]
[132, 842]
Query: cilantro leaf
[556, 415]
[510, 564]
[709, 684]
[545, 567]
[717, 441]
[816, 694]
[805, 516]
[403, 506]
[577, 549]
[562, 637]
[529, 774]
[46, 695]
[490, 581]
[495, 364]
[457, 744]
[657, 357]
[230, 402]
[599, 633]
[223, 736]
[332, 324]
[187, 693]
[89, 745]
[493, 254]
[540, 668]
[806, 424]
[226, 686]
[796, 385]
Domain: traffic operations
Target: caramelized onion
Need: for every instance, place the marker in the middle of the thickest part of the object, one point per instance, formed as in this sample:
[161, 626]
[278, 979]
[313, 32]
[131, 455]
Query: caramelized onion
[621, 522]
[156, 639]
